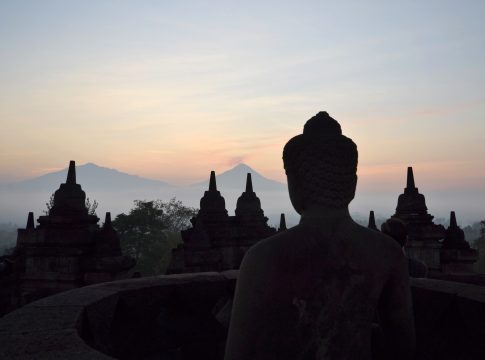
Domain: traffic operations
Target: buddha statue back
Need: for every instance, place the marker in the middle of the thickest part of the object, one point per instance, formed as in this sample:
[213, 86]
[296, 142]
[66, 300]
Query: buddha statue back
[313, 291]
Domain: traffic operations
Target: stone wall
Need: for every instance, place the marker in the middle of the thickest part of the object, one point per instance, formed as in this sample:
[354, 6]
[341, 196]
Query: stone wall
[7, 293]
[185, 317]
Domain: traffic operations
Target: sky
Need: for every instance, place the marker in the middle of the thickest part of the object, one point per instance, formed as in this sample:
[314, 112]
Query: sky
[173, 89]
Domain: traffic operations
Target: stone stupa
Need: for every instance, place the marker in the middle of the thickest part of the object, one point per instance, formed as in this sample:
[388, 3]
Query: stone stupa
[217, 241]
[423, 234]
[67, 249]
[456, 254]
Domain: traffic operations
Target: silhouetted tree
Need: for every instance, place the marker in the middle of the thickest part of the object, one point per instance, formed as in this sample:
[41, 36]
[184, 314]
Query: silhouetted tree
[8, 236]
[479, 244]
[472, 232]
[91, 206]
[150, 230]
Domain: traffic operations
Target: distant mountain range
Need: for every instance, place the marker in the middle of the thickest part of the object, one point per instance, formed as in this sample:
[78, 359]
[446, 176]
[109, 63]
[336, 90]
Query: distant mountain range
[115, 191]
[91, 177]
[98, 178]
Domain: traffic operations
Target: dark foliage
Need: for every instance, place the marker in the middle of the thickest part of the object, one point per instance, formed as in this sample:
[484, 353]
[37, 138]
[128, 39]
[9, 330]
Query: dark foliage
[8, 236]
[151, 230]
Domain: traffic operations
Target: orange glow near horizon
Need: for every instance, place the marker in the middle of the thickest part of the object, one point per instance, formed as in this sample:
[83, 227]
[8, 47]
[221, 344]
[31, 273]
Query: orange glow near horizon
[172, 90]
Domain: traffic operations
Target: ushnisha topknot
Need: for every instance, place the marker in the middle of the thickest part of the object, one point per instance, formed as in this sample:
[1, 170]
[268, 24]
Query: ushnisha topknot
[322, 162]
[322, 125]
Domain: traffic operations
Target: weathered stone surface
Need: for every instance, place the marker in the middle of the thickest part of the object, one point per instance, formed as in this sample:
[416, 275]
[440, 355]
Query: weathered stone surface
[449, 318]
[470, 304]
[443, 311]
[33, 318]
[97, 323]
[431, 294]
[47, 345]
[131, 319]
[76, 297]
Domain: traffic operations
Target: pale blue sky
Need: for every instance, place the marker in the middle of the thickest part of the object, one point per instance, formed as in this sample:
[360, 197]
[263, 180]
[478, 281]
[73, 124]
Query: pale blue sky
[170, 90]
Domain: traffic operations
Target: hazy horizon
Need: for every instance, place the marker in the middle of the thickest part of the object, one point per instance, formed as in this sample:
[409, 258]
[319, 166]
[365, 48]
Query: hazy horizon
[114, 194]
[172, 90]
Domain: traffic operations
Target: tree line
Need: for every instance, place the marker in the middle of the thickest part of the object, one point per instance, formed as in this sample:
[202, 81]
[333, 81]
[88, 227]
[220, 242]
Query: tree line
[148, 232]
[151, 230]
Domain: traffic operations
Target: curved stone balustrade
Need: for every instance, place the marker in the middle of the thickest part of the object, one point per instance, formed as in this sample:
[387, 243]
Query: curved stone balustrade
[173, 315]
[185, 317]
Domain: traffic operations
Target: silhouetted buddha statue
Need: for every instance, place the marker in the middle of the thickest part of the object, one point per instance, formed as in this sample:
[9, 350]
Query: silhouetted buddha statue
[312, 291]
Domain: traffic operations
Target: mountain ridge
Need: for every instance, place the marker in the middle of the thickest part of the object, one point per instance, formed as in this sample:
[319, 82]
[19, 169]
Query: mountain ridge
[235, 179]
[32, 194]
[90, 176]
[100, 178]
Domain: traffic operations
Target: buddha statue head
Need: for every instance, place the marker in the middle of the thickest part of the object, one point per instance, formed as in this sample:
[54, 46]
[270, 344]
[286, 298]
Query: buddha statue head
[396, 228]
[321, 165]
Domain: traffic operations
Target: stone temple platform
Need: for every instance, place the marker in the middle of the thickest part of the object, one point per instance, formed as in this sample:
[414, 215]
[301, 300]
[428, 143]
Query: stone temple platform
[185, 316]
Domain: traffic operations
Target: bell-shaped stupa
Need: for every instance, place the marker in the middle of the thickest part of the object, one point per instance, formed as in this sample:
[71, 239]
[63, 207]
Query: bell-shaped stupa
[67, 249]
[423, 234]
[456, 254]
[248, 207]
[212, 204]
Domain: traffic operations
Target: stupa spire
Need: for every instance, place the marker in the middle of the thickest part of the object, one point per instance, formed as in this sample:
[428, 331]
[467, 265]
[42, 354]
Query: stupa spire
[212, 204]
[212, 181]
[30, 221]
[410, 179]
[372, 221]
[411, 202]
[455, 236]
[69, 199]
[107, 220]
[453, 223]
[282, 223]
[249, 183]
[71, 173]
[248, 204]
